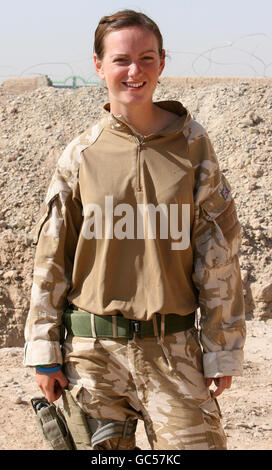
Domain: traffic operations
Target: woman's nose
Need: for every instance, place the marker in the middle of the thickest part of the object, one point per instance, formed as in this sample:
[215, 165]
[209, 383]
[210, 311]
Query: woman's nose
[134, 69]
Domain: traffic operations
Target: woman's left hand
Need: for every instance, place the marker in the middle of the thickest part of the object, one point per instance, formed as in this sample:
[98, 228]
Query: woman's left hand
[220, 382]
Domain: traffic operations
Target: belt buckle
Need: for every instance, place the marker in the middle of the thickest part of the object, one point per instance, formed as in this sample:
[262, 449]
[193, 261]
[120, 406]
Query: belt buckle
[136, 327]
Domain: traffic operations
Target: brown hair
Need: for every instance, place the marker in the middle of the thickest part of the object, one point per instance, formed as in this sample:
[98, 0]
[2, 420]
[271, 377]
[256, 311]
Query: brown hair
[123, 19]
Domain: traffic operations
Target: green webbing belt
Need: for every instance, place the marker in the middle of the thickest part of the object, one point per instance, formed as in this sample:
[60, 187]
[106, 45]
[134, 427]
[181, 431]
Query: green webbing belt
[79, 323]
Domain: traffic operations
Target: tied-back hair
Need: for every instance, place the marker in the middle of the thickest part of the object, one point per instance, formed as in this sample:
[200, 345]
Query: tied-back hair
[124, 19]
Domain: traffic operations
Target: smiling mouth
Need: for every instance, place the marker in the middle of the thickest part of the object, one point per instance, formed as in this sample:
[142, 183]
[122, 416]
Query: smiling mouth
[134, 85]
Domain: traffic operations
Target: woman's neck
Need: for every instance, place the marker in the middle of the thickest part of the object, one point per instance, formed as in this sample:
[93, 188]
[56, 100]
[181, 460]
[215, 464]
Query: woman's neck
[145, 120]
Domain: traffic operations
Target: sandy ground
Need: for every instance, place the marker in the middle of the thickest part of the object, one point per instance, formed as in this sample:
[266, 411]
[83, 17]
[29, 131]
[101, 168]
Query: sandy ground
[246, 407]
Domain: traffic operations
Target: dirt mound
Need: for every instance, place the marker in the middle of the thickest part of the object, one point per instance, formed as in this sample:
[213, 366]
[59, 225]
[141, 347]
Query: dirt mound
[36, 126]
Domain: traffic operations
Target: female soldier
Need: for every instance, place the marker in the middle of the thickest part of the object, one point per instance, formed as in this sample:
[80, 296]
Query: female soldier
[132, 349]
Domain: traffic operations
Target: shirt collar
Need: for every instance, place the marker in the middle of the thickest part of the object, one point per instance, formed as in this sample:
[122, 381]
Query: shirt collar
[118, 122]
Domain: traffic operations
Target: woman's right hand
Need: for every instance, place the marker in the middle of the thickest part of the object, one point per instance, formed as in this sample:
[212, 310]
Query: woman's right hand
[51, 384]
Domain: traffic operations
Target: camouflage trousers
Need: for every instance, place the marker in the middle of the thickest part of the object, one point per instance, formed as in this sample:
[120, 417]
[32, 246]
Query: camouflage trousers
[158, 381]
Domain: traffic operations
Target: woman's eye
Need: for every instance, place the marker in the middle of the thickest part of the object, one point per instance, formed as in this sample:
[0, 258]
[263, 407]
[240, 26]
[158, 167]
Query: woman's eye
[120, 60]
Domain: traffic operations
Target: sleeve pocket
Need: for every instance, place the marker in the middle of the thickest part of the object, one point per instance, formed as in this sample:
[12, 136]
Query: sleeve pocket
[223, 227]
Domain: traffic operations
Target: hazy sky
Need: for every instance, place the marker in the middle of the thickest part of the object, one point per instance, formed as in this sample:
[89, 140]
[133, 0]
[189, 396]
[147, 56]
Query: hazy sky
[202, 37]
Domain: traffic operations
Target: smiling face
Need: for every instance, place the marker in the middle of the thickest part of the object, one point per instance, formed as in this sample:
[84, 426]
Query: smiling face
[131, 66]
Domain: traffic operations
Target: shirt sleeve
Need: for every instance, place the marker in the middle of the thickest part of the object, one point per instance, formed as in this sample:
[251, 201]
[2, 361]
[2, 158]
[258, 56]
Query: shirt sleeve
[56, 239]
[216, 241]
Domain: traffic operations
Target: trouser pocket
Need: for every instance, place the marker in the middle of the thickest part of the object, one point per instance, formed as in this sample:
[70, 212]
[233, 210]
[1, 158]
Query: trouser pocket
[211, 414]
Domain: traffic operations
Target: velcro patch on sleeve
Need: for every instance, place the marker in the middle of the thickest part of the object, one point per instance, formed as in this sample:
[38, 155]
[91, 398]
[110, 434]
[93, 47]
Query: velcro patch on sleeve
[224, 191]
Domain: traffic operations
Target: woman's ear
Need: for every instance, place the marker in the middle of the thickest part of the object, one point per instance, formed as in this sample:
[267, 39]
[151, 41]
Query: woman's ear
[162, 62]
[98, 67]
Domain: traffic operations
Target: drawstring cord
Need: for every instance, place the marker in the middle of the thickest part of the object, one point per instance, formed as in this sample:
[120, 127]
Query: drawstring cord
[160, 339]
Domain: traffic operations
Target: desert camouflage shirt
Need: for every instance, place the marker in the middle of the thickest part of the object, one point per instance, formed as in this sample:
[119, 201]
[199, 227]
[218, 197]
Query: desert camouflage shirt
[139, 225]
